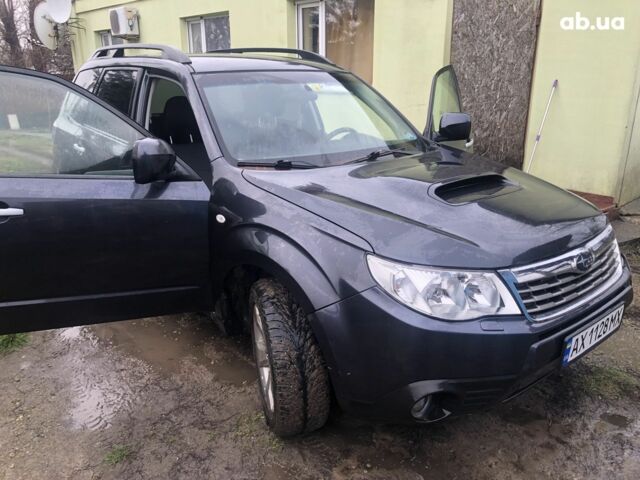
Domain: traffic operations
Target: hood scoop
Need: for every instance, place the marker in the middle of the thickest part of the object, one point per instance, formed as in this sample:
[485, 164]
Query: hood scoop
[474, 188]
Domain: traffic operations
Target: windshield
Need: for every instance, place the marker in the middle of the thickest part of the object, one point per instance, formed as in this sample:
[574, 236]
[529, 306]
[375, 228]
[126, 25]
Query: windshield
[319, 118]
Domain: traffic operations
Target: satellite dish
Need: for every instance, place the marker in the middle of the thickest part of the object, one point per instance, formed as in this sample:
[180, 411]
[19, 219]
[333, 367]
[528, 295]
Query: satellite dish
[45, 28]
[59, 10]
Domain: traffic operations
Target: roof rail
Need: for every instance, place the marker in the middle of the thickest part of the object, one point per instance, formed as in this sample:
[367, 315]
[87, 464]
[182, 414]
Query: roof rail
[168, 53]
[303, 54]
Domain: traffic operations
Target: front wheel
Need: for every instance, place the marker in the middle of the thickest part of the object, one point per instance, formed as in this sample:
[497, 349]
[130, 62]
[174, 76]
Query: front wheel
[293, 380]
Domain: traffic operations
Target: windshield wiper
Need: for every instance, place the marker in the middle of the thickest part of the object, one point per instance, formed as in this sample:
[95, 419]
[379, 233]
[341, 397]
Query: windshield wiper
[376, 154]
[280, 165]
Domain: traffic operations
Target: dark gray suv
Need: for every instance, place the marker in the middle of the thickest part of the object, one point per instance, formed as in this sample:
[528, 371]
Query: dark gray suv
[387, 267]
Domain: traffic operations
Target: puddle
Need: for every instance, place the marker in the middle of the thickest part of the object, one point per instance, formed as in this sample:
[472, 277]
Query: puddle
[99, 391]
[616, 420]
[96, 404]
[164, 343]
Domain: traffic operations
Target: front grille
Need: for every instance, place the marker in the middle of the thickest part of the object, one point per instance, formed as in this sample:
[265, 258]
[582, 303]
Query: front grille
[551, 288]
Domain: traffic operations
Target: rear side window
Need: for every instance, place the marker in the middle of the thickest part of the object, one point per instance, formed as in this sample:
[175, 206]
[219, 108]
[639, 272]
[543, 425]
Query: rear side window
[88, 79]
[117, 87]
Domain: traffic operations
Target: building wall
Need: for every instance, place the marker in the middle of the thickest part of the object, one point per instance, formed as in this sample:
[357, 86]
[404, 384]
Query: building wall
[493, 50]
[411, 37]
[412, 40]
[585, 140]
[630, 181]
[252, 22]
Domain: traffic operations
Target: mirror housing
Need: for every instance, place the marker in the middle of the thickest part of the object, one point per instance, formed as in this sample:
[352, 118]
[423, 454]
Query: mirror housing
[454, 126]
[153, 160]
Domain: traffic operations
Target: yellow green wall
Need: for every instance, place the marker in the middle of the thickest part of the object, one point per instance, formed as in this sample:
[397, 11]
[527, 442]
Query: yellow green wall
[630, 181]
[412, 40]
[252, 22]
[585, 139]
[411, 37]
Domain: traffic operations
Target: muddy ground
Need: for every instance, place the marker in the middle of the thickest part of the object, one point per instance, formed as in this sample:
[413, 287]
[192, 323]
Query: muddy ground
[171, 398]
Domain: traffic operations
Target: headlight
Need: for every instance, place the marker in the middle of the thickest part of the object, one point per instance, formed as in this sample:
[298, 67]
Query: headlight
[443, 293]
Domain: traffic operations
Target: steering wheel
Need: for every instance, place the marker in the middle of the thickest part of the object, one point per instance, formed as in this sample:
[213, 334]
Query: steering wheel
[338, 131]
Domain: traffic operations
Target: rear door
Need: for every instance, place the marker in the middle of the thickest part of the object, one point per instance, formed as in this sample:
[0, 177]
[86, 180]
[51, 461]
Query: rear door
[80, 241]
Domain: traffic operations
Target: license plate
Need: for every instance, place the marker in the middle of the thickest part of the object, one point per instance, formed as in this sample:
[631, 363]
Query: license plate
[580, 343]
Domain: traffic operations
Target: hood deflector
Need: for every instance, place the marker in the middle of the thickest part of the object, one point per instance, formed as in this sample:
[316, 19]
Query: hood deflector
[474, 188]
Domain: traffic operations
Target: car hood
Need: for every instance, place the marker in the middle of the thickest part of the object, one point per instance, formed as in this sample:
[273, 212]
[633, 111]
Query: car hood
[443, 208]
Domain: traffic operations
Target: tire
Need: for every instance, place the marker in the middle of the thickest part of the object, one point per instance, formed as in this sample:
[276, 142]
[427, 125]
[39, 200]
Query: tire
[297, 398]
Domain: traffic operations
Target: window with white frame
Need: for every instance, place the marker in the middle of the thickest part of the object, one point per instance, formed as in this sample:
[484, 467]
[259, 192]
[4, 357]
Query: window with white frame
[311, 31]
[209, 33]
[107, 39]
[341, 30]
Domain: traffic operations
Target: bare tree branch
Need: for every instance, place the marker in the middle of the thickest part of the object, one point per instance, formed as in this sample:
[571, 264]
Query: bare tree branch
[19, 43]
[9, 33]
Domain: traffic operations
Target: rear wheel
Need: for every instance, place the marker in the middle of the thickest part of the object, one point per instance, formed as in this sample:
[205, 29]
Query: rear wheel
[292, 377]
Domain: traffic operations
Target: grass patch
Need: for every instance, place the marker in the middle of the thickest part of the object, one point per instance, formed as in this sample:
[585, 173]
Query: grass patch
[38, 143]
[632, 252]
[13, 341]
[118, 454]
[609, 382]
[26, 153]
[251, 427]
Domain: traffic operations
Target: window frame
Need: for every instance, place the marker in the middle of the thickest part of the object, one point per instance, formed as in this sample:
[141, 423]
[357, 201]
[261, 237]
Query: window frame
[133, 104]
[189, 175]
[95, 85]
[201, 20]
[110, 37]
[89, 96]
[152, 79]
[322, 24]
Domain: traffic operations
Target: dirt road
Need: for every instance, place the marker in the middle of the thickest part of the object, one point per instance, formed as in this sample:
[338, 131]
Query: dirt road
[171, 398]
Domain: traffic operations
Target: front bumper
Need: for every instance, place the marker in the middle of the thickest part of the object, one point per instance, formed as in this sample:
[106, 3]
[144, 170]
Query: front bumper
[384, 357]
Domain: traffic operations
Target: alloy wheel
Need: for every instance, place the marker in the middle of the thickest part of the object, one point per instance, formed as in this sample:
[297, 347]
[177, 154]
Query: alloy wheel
[265, 373]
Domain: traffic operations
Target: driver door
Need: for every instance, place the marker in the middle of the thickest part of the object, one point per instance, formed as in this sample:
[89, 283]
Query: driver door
[444, 101]
[80, 241]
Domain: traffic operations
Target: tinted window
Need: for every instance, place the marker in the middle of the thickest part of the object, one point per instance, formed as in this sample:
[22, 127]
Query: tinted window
[46, 128]
[117, 88]
[87, 79]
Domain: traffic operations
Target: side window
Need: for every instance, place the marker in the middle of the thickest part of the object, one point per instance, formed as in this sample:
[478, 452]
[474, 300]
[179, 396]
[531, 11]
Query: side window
[117, 88]
[88, 79]
[169, 114]
[207, 34]
[171, 118]
[47, 129]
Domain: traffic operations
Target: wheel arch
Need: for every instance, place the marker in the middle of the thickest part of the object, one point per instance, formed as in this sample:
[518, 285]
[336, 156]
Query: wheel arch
[256, 251]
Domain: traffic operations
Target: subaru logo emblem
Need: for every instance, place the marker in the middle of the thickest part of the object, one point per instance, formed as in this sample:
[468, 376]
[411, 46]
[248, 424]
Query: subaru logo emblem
[583, 261]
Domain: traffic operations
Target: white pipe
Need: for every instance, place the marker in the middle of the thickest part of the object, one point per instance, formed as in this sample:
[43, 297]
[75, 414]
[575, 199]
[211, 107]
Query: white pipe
[544, 118]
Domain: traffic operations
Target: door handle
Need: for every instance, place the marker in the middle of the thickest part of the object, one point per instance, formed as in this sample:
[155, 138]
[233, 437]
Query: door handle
[11, 212]
[78, 148]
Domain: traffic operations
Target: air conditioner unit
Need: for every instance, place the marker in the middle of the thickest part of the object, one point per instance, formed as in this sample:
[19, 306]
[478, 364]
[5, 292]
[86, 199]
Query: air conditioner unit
[124, 22]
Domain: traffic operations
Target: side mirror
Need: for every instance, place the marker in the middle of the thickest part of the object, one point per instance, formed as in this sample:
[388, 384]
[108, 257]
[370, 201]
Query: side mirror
[454, 126]
[153, 160]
